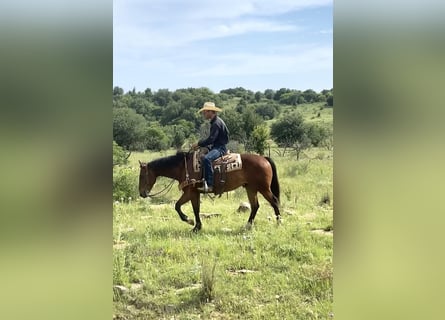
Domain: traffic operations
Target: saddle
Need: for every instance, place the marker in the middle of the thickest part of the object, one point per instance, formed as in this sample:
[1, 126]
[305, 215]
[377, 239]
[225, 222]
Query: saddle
[230, 162]
[227, 163]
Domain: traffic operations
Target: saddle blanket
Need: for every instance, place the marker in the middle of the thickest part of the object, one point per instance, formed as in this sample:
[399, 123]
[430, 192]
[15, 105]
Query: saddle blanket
[232, 161]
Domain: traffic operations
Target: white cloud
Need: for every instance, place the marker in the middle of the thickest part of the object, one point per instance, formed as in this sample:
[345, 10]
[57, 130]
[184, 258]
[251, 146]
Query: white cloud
[167, 38]
[230, 9]
[179, 10]
[128, 37]
[290, 59]
[172, 23]
[301, 60]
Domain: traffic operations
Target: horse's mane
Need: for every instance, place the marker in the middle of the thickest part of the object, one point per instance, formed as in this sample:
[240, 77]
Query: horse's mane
[170, 161]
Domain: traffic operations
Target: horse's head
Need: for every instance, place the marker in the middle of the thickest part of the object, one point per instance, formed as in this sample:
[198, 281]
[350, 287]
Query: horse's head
[147, 179]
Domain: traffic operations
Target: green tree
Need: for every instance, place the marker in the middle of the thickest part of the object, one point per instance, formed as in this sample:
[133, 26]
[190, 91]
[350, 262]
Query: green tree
[172, 112]
[258, 139]
[268, 110]
[178, 137]
[128, 128]
[148, 94]
[185, 126]
[258, 96]
[117, 92]
[235, 125]
[325, 92]
[290, 98]
[241, 106]
[269, 94]
[141, 106]
[301, 144]
[162, 97]
[316, 133]
[250, 96]
[155, 138]
[330, 100]
[301, 100]
[133, 92]
[250, 121]
[279, 93]
[290, 132]
[223, 96]
[239, 92]
[122, 101]
[310, 95]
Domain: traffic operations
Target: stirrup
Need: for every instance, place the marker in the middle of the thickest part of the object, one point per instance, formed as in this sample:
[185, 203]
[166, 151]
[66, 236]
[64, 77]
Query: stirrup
[205, 188]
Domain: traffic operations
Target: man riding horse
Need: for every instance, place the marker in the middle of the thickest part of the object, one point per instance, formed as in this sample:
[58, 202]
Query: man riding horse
[257, 174]
[216, 142]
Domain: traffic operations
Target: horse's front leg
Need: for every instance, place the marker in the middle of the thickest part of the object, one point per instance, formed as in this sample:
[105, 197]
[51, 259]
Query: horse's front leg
[184, 198]
[196, 203]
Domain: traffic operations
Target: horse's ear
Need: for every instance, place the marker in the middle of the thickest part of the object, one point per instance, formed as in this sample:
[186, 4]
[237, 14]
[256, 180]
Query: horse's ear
[140, 163]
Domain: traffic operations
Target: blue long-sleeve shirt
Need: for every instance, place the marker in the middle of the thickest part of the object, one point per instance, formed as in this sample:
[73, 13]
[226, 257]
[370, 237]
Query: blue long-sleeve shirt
[219, 134]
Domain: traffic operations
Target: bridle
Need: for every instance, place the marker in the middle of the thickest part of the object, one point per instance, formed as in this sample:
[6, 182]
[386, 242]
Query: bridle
[169, 186]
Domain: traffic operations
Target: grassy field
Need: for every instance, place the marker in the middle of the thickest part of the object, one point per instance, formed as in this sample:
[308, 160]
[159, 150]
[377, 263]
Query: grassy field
[161, 270]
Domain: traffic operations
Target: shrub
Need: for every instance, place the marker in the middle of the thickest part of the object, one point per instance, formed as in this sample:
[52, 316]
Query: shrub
[258, 140]
[207, 293]
[267, 110]
[125, 184]
[155, 138]
[317, 134]
[120, 157]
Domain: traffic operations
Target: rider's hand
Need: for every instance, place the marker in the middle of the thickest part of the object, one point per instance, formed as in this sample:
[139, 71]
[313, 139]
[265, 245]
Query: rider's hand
[195, 146]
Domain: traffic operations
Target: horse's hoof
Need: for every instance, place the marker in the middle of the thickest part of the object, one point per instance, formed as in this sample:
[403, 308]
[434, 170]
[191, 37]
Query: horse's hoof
[195, 230]
[279, 221]
[191, 222]
[248, 226]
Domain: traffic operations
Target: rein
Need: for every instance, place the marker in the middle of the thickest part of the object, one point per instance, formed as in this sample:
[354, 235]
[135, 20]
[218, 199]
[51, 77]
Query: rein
[169, 186]
[183, 184]
[187, 180]
[187, 177]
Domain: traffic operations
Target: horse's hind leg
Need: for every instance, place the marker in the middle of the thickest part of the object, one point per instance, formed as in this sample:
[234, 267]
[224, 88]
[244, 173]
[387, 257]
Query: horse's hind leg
[268, 195]
[184, 198]
[254, 206]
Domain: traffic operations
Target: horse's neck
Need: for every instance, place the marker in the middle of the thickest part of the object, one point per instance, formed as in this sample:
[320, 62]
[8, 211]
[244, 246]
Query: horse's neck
[169, 173]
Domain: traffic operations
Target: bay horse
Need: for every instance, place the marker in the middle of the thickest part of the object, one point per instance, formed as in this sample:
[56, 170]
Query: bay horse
[258, 174]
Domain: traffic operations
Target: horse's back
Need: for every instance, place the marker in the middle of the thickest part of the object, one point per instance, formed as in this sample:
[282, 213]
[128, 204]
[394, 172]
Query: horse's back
[255, 171]
[256, 165]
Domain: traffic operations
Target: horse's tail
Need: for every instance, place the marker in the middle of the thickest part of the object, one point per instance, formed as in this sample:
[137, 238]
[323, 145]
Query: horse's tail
[274, 185]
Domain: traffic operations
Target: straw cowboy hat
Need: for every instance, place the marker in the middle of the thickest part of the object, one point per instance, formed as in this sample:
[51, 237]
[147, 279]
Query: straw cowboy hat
[210, 106]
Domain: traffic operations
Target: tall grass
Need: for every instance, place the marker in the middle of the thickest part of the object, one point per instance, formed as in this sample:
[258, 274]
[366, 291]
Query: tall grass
[208, 281]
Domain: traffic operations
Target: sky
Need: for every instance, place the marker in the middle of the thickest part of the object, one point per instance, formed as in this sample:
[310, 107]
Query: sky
[221, 44]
